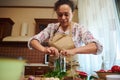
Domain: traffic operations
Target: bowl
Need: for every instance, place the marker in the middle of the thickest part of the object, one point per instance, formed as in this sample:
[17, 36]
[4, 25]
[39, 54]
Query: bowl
[102, 75]
[11, 69]
[112, 77]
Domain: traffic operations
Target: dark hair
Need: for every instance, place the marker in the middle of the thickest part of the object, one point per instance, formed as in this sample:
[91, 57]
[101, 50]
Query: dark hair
[61, 2]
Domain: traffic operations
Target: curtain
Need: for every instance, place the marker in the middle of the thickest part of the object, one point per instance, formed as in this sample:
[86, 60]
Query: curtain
[118, 7]
[118, 33]
[100, 17]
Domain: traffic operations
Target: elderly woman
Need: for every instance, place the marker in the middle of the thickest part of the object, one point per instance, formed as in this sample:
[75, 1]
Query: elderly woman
[79, 34]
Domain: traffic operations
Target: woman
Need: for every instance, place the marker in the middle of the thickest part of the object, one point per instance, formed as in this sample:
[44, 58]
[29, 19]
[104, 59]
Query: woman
[65, 10]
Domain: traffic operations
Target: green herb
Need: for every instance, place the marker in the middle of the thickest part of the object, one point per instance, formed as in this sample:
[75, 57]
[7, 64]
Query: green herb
[55, 74]
[93, 77]
[59, 69]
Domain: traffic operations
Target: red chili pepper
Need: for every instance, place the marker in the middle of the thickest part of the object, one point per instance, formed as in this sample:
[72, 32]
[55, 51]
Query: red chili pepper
[81, 73]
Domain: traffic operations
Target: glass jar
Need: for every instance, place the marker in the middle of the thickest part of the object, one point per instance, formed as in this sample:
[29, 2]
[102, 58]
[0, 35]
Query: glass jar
[60, 64]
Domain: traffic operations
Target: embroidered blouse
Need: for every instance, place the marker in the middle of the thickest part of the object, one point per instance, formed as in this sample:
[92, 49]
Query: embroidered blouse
[80, 35]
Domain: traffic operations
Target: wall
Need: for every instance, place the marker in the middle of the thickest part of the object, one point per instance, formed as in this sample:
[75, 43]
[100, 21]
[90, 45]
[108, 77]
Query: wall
[20, 50]
[27, 15]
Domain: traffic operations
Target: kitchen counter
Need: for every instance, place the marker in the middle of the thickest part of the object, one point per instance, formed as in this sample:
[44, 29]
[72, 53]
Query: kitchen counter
[36, 64]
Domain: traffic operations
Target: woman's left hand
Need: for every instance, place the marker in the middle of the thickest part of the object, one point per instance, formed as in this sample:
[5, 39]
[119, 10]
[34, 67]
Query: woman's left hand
[67, 52]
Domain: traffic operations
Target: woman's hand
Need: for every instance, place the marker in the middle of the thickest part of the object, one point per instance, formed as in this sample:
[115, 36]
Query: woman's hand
[68, 52]
[52, 51]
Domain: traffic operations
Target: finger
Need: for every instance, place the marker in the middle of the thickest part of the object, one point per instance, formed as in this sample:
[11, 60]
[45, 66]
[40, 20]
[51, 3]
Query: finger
[53, 51]
[65, 53]
[61, 53]
[48, 50]
[56, 53]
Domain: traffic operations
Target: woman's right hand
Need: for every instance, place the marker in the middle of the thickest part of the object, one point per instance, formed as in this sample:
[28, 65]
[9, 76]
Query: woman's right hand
[47, 50]
[51, 51]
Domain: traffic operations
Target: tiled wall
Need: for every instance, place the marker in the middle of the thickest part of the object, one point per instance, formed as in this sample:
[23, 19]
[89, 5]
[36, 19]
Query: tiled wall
[32, 56]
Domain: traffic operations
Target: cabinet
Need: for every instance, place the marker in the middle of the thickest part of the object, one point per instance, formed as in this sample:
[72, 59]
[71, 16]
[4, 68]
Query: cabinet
[37, 70]
[5, 27]
[42, 24]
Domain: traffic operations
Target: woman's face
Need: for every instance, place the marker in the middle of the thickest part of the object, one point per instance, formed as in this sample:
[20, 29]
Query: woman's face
[64, 14]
